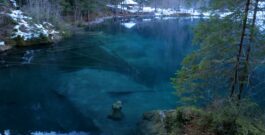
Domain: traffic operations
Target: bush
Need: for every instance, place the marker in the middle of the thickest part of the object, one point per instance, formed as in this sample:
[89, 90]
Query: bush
[228, 119]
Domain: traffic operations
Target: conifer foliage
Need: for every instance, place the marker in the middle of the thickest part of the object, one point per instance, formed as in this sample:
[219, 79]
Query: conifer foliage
[216, 70]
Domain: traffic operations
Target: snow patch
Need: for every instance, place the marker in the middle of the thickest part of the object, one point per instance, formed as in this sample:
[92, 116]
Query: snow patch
[129, 25]
[147, 20]
[14, 3]
[28, 30]
[148, 9]
[2, 43]
[129, 2]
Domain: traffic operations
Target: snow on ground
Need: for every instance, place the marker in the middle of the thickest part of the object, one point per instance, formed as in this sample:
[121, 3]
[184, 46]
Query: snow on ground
[129, 2]
[262, 4]
[132, 7]
[261, 17]
[14, 3]
[148, 9]
[147, 20]
[2, 43]
[28, 30]
[129, 25]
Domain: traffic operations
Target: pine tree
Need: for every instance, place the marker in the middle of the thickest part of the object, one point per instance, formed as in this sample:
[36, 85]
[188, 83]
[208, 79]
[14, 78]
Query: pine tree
[208, 73]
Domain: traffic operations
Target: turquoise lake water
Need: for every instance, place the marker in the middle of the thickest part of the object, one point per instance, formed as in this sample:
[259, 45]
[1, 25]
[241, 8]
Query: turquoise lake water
[72, 85]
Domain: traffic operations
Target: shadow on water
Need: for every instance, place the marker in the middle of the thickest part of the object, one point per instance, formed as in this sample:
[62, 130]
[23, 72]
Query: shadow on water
[40, 109]
[71, 59]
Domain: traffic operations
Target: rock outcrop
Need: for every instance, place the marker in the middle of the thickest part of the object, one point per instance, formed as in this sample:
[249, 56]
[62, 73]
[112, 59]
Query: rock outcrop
[153, 123]
[193, 121]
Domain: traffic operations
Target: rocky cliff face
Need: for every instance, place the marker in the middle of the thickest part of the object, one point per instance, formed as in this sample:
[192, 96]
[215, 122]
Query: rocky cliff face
[18, 29]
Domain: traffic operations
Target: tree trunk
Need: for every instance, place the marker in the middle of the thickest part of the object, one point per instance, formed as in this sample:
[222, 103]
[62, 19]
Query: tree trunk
[252, 35]
[235, 82]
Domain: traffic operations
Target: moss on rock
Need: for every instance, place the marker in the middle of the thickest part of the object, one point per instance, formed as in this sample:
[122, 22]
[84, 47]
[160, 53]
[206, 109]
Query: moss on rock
[193, 121]
[35, 41]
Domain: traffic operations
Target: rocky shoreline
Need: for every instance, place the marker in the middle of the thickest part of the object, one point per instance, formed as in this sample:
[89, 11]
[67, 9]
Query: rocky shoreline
[194, 121]
[153, 123]
[18, 29]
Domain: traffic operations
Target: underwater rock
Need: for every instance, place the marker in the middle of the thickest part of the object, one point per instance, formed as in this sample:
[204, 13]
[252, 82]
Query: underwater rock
[116, 113]
[5, 47]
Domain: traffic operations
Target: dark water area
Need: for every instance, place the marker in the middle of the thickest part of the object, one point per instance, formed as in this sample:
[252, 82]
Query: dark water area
[71, 86]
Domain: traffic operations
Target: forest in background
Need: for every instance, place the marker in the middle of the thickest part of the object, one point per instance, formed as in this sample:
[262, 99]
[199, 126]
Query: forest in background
[85, 10]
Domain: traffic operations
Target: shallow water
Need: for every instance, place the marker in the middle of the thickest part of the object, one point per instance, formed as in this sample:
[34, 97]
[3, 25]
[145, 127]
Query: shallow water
[72, 85]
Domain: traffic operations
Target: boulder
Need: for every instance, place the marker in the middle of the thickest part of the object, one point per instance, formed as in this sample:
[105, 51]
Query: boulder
[154, 123]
